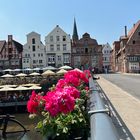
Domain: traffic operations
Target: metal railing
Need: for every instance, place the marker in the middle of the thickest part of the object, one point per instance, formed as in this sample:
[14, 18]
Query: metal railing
[102, 127]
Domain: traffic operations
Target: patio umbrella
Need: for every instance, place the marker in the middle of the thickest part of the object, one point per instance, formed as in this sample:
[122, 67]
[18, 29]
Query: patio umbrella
[48, 72]
[7, 88]
[34, 87]
[30, 84]
[37, 69]
[21, 75]
[7, 76]
[34, 74]
[17, 70]
[66, 67]
[7, 70]
[49, 68]
[62, 71]
[20, 88]
[78, 70]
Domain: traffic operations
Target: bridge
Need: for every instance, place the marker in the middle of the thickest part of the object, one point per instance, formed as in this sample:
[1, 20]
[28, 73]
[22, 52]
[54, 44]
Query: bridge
[127, 106]
[117, 117]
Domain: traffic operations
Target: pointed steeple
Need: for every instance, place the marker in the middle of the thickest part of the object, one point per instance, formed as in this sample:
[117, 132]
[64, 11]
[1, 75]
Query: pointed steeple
[75, 33]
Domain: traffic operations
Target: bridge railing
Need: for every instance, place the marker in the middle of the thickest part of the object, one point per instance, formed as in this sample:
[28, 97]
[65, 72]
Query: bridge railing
[102, 127]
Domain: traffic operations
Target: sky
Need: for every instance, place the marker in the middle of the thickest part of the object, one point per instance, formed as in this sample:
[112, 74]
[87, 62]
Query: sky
[104, 20]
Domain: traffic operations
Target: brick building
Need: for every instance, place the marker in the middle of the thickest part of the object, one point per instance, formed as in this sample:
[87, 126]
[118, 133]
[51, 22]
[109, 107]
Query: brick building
[86, 53]
[126, 51]
[10, 54]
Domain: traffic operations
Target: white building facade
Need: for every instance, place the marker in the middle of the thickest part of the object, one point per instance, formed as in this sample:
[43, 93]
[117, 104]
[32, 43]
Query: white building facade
[58, 48]
[106, 57]
[34, 55]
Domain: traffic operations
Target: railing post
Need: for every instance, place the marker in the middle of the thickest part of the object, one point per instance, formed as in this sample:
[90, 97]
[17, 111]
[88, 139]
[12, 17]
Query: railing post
[102, 127]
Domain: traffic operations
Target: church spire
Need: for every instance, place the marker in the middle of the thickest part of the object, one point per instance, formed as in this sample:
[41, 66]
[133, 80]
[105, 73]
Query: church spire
[75, 33]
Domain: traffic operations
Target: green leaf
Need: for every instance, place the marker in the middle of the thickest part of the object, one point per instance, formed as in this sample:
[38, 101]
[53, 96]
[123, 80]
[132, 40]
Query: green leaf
[65, 130]
[74, 121]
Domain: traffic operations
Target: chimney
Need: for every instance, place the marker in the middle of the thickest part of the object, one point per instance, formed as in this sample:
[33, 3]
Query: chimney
[10, 38]
[125, 31]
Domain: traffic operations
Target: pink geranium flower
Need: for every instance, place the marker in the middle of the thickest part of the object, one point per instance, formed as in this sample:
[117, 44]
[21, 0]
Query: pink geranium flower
[33, 103]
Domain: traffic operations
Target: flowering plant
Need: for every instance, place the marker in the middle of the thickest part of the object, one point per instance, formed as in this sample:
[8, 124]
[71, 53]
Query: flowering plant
[63, 109]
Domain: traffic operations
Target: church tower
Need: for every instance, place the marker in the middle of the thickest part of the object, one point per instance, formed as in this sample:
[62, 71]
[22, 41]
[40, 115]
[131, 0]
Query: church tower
[75, 33]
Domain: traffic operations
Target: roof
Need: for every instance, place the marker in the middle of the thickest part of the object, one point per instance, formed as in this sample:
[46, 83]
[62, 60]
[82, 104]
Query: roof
[19, 46]
[2, 43]
[86, 37]
[133, 30]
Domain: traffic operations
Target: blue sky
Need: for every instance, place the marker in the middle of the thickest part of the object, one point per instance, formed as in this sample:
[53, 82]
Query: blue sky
[104, 20]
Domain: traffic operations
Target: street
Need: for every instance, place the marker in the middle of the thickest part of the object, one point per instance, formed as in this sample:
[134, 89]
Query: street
[127, 82]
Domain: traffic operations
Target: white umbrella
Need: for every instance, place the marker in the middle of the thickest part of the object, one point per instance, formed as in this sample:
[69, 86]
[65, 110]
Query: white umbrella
[7, 88]
[62, 71]
[48, 72]
[37, 69]
[6, 70]
[34, 74]
[66, 67]
[20, 88]
[17, 70]
[34, 87]
[7, 76]
[21, 75]
[30, 84]
[49, 68]
[78, 70]
[28, 69]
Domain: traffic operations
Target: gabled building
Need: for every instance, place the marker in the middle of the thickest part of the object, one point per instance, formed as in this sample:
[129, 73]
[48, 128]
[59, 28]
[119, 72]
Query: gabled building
[128, 56]
[34, 53]
[10, 54]
[86, 53]
[58, 48]
[106, 57]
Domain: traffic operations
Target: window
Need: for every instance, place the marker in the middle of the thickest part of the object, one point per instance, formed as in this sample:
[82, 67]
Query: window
[139, 33]
[34, 61]
[27, 60]
[24, 61]
[29, 47]
[38, 47]
[51, 47]
[134, 42]
[51, 38]
[64, 38]
[58, 47]
[59, 57]
[33, 48]
[40, 61]
[64, 47]
[34, 55]
[86, 50]
[78, 50]
[57, 38]
[51, 59]
[66, 58]
[33, 41]
[39, 55]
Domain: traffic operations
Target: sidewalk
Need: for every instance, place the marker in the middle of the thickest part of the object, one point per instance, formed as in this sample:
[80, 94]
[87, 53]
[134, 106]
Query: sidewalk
[126, 105]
